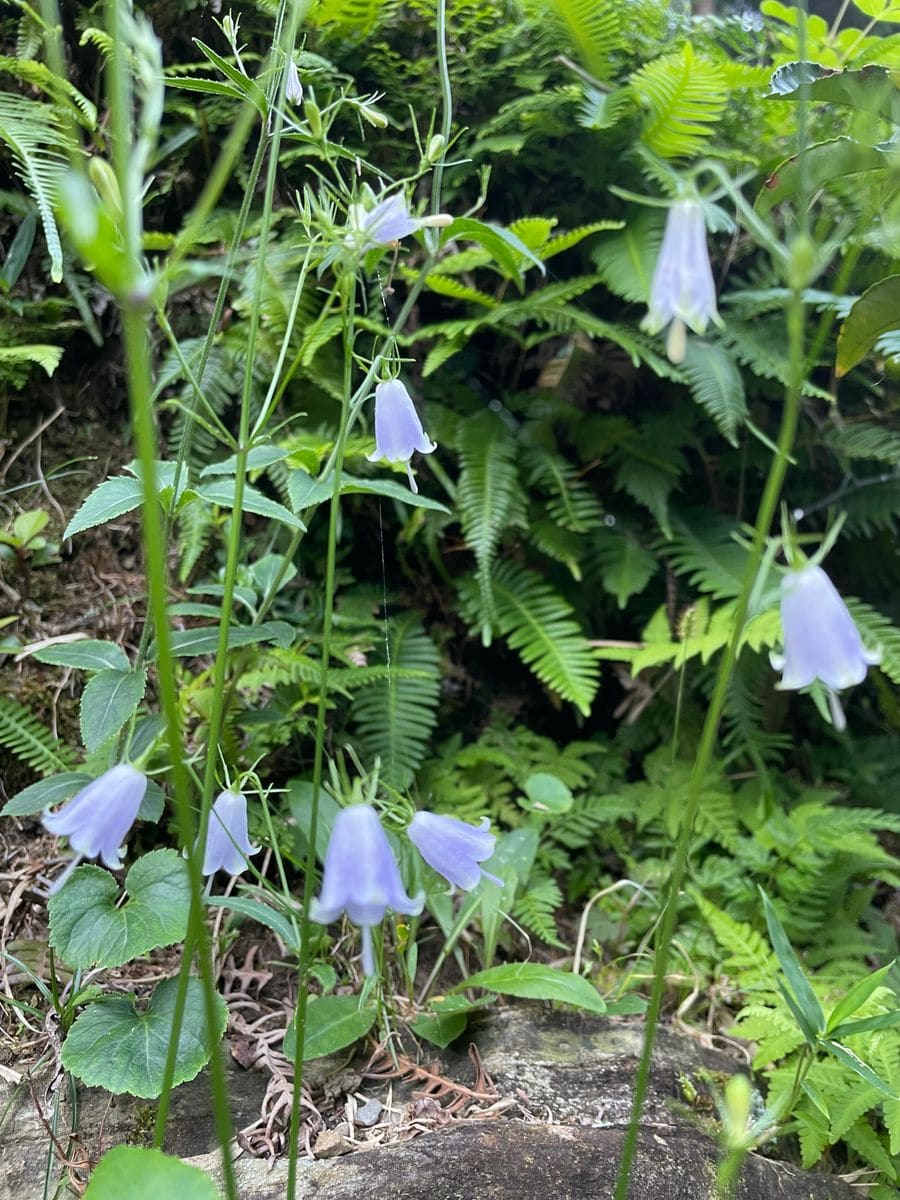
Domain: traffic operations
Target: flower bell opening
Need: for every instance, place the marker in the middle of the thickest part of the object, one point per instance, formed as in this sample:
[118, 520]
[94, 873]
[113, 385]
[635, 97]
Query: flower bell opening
[98, 818]
[361, 877]
[398, 429]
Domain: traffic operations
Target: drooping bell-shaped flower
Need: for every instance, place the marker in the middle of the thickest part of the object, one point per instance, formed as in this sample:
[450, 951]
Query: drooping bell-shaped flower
[361, 877]
[97, 820]
[227, 840]
[683, 292]
[398, 430]
[293, 88]
[820, 639]
[453, 848]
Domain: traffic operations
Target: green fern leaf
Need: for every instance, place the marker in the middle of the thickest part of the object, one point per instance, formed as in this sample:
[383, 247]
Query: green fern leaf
[38, 143]
[489, 500]
[684, 96]
[539, 624]
[595, 27]
[878, 632]
[626, 261]
[536, 908]
[24, 736]
[394, 719]
[716, 384]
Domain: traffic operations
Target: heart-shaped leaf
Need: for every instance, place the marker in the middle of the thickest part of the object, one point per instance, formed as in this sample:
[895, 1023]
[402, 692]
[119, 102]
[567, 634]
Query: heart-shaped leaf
[114, 1046]
[87, 928]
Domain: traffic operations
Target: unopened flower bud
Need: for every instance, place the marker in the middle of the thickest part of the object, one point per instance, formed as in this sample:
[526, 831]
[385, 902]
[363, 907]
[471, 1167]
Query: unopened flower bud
[313, 114]
[801, 265]
[103, 177]
[436, 147]
[375, 118]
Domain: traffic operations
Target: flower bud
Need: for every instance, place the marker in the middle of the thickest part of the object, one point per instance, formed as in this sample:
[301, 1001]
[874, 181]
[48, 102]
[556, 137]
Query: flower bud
[103, 177]
[437, 144]
[313, 114]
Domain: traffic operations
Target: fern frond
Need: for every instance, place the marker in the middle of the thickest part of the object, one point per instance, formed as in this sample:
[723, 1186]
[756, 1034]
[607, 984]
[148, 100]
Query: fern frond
[595, 27]
[702, 548]
[626, 261]
[24, 736]
[489, 500]
[685, 96]
[539, 624]
[536, 909]
[394, 718]
[38, 142]
[865, 439]
[716, 384]
[60, 90]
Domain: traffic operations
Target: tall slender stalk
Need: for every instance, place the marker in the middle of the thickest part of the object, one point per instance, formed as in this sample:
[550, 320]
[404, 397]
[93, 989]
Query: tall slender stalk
[765, 515]
[134, 303]
[303, 972]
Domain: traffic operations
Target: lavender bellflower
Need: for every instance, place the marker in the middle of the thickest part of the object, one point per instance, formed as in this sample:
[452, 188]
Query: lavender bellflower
[398, 430]
[227, 840]
[97, 820]
[453, 848]
[820, 638]
[293, 88]
[386, 223]
[361, 877]
[683, 292]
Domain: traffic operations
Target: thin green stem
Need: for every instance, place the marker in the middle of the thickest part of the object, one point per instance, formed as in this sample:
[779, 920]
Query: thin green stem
[446, 110]
[766, 513]
[319, 756]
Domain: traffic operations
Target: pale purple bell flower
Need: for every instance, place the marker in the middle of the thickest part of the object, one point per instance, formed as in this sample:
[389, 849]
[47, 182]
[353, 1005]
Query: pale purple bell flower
[454, 848]
[97, 819]
[683, 292]
[361, 877]
[398, 430]
[820, 639]
[293, 88]
[386, 223]
[227, 840]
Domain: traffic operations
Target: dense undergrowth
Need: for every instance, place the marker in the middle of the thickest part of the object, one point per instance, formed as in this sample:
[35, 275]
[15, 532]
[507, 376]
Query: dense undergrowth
[534, 636]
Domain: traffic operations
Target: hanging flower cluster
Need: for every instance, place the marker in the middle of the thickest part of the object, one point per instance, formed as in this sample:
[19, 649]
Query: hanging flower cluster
[821, 640]
[398, 429]
[361, 877]
[683, 292]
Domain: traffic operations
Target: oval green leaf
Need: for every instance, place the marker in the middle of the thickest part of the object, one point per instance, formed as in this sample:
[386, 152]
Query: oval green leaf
[332, 1022]
[537, 982]
[107, 702]
[114, 1046]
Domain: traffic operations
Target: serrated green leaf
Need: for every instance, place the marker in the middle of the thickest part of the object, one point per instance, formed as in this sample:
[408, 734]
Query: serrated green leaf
[88, 927]
[109, 699]
[87, 655]
[110, 499]
[222, 492]
[114, 1046]
[45, 793]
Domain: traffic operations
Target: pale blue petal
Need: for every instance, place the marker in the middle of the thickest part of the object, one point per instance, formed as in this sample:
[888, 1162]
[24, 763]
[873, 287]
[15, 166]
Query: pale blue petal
[97, 820]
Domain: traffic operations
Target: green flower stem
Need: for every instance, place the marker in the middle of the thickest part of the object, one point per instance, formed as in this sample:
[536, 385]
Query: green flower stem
[446, 112]
[217, 715]
[767, 507]
[318, 760]
[127, 155]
